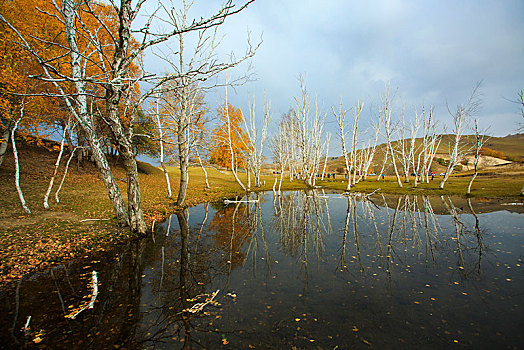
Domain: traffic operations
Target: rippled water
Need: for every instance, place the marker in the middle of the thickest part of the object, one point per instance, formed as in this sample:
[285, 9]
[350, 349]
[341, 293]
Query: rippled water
[304, 270]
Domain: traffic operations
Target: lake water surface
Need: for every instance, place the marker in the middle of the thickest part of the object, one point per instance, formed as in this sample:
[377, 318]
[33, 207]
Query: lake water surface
[304, 269]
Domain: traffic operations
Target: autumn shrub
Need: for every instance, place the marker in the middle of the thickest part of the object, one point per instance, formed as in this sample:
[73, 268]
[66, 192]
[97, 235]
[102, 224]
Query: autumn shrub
[492, 153]
[442, 161]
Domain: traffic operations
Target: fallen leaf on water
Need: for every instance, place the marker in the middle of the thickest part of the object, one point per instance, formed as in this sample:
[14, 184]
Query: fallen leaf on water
[365, 341]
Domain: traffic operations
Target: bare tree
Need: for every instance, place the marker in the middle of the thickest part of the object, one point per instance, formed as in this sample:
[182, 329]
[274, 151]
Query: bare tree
[15, 156]
[414, 148]
[281, 146]
[519, 101]
[480, 140]
[256, 142]
[463, 111]
[430, 143]
[230, 142]
[311, 126]
[340, 117]
[55, 171]
[354, 136]
[402, 147]
[389, 129]
[369, 155]
[193, 70]
[328, 138]
[161, 128]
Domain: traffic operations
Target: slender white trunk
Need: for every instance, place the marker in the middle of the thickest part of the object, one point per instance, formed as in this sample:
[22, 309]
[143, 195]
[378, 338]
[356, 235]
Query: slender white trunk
[386, 109]
[160, 128]
[17, 165]
[55, 171]
[203, 168]
[479, 143]
[325, 159]
[341, 117]
[356, 116]
[230, 144]
[454, 153]
[65, 174]
[384, 162]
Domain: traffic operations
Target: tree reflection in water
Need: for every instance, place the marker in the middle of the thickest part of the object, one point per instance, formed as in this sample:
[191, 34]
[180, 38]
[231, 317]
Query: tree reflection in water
[307, 243]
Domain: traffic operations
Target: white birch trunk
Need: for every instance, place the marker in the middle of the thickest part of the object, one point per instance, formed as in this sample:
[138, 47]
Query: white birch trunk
[340, 118]
[17, 165]
[55, 171]
[65, 174]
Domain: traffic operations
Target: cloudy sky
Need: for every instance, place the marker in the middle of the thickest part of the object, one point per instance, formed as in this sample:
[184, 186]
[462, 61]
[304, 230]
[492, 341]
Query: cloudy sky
[430, 52]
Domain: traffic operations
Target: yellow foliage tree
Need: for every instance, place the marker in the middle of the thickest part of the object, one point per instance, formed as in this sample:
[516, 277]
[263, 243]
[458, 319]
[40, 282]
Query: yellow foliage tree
[221, 153]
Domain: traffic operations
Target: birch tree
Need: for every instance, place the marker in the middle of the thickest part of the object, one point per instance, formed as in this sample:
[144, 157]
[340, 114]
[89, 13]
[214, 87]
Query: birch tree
[520, 102]
[55, 170]
[480, 140]
[256, 141]
[310, 129]
[355, 163]
[17, 163]
[229, 141]
[340, 117]
[280, 148]
[161, 125]
[194, 68]
[389, 129]
[414, 127]
[403, 147]
[115, 46]
[328, 138]
[76, 103]
[430, 143]
[369, 156]
[456, 150]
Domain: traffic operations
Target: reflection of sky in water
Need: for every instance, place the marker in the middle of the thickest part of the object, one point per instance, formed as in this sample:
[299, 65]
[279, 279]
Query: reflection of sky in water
[301, 273]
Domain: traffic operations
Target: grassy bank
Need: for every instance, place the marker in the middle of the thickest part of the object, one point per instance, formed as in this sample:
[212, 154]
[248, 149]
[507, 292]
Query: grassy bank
[485, 185]
[83, 220]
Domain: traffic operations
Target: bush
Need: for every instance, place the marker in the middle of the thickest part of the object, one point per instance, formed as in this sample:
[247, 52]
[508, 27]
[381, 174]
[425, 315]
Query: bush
[442, 161]
[492, 153]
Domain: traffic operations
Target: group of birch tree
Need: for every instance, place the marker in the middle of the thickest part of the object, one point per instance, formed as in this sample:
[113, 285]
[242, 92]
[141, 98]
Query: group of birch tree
[410, 144]
[299, 145]
[410, 141]
[94, 64]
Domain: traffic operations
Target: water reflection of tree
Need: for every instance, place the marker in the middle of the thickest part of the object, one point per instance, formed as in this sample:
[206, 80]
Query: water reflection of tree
[302, 219]
[48, 300]
[230, 228]
[148, 284]
[408, 229]
[184, 273]
[468, 238]
[258, 238]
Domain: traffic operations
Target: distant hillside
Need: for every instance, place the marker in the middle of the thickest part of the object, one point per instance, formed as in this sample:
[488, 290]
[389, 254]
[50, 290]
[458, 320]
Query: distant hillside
[512, 146]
